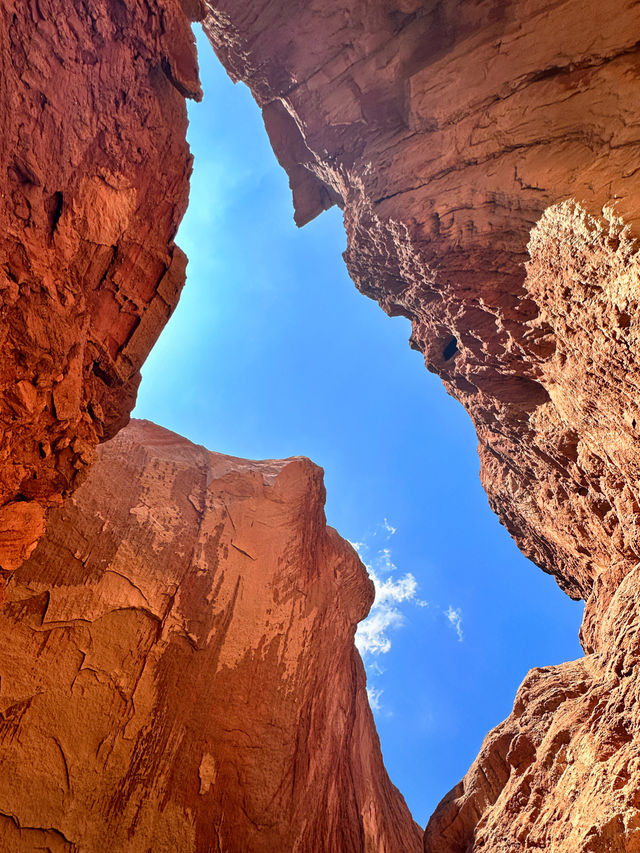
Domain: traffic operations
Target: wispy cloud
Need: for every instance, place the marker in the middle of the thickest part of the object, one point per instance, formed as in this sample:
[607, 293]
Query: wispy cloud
[374, 695]
[390, 530]
[396, 593]
[372, 636]
[454, 615]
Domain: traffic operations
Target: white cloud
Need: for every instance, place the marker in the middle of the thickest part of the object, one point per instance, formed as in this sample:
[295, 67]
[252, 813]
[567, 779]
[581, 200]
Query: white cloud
[372, 636]
[454, 615]
[394, 594]
[388, 527]
[374, 695]
[374, 668]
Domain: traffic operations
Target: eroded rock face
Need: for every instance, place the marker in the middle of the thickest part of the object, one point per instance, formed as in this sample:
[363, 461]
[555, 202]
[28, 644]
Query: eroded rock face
[178, 667]
[486, 157]
[94, 169]
[446, 130]
[561, 773]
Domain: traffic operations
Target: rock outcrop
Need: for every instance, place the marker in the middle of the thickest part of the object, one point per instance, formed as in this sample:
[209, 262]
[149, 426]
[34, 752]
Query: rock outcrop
[178, 667]
[94, 169]
[561, 773]
[447, 131]
[486, 158]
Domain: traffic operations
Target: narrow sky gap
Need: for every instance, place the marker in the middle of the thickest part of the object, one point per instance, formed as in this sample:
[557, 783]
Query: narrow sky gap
[271, 353]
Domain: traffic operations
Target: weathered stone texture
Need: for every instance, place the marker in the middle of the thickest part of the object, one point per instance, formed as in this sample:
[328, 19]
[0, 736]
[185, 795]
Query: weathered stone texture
[561, 773]
[178, 667]
[446, 130]
[94, 170]
[486, 158]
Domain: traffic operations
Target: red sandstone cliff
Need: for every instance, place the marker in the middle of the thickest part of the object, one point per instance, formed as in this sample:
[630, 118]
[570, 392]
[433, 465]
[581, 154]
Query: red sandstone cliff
[481, 152]
[562, 772]
[486, 158]
[178, 667]
[94, 170]
[446, 130]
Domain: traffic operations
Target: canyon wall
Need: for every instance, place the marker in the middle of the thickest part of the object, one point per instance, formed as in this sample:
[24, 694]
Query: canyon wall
[562, 772]
[178, 666]
[447, 131]
[486, 158]
[94, 168]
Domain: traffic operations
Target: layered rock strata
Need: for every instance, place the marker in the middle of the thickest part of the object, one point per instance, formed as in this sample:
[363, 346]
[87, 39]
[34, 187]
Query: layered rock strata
[486, 158]
[485, 155]
[447, 130]
[94, 169]
[178, 668]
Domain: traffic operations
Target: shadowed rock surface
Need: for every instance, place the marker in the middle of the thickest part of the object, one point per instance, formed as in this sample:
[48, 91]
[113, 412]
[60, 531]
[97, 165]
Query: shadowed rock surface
[178, 667]
[486, 158]
[94, 169]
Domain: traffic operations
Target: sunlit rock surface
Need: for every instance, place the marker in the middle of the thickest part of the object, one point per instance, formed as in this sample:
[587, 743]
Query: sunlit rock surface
[561, 773]
[94, 170]
[486, 158]
[178, 667]
[446, 130]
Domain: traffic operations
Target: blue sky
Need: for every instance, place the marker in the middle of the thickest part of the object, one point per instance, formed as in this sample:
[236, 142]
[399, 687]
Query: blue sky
[272, 352]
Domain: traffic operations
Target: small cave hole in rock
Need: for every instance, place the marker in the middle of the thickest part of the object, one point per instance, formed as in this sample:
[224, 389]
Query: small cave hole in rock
[451, 349]
[54, 209]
